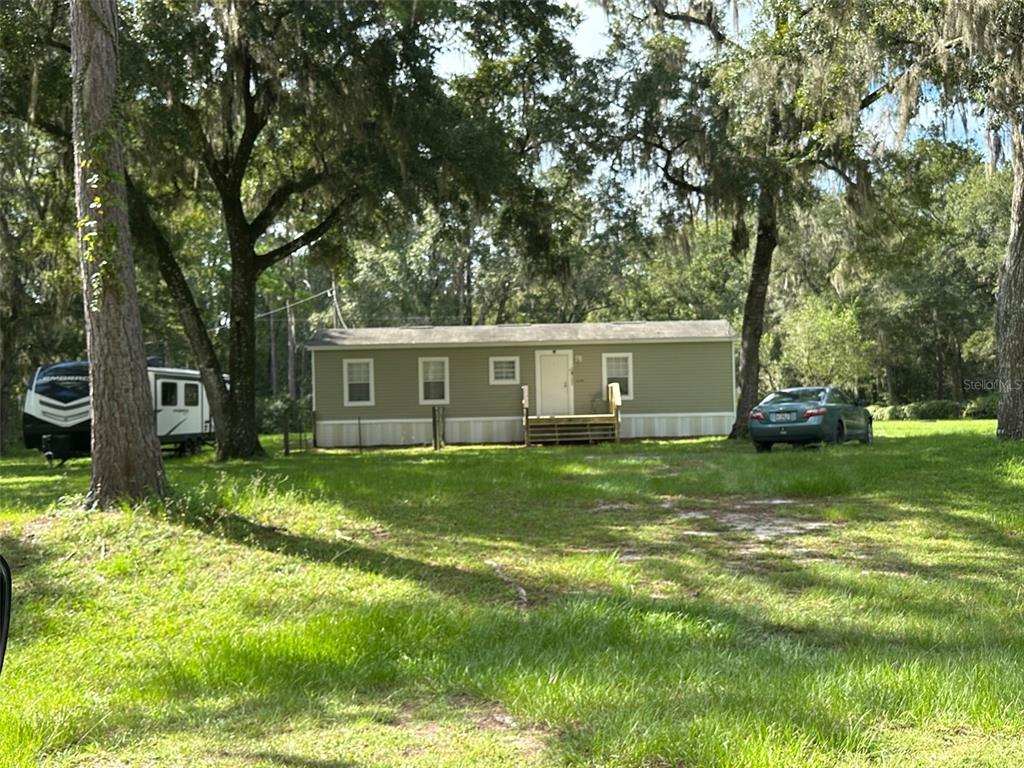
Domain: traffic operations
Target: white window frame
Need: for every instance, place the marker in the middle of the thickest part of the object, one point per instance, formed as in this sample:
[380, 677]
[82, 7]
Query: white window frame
[447, 380]
[373, 392]
[629, 368]
[490, 369]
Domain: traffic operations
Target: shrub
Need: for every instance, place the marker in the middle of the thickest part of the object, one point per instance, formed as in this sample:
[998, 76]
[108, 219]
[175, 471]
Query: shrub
[911, 410]
[984, 407]
[887, 412]
[879, 412]
[932, 410]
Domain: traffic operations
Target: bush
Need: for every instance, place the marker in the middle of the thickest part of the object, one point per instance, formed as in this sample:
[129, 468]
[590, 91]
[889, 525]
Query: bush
[887, 412]
[939, 409]
[911, 410]
[270, 413]
[879, 412]
[925, 409]
[984, 407]
[931, 410]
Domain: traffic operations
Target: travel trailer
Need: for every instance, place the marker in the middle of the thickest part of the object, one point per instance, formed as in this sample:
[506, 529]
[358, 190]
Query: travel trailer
[58, 414]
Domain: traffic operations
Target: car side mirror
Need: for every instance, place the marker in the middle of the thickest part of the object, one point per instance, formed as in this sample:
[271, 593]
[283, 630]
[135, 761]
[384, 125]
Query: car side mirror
[5, 608]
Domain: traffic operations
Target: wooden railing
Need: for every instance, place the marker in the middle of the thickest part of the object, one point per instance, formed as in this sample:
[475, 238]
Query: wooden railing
[526, 414]
[615, 406]
[594, 426]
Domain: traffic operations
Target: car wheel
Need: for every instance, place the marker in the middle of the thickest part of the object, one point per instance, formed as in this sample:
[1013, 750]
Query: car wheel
[763, 447]
[869, 433]
[839, 435]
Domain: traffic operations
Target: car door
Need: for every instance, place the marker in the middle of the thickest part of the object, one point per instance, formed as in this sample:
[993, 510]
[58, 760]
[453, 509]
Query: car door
[852, 414]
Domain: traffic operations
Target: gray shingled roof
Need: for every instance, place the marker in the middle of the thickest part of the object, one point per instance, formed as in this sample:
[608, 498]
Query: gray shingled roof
[528, 333]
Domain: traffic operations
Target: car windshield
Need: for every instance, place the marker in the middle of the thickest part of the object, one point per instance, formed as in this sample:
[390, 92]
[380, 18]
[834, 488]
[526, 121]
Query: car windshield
[812, 394]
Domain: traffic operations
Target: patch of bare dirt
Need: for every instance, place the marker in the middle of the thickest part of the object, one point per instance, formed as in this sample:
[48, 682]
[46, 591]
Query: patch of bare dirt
[491, 716]
[613, 506]
[38, 527]
[758, 517]
[630, 556]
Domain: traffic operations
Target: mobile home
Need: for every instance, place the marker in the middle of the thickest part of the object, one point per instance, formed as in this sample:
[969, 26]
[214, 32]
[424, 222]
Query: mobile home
[386, 386]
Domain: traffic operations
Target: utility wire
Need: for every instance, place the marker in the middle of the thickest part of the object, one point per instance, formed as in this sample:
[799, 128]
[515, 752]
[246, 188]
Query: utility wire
[219, 328]
[294, 304]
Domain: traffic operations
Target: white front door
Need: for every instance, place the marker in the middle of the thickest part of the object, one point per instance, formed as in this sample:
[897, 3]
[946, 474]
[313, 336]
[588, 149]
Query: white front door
[554, 383]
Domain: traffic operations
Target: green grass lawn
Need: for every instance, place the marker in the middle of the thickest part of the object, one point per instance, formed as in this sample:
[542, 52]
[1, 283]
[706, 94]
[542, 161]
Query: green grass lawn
[644, 604]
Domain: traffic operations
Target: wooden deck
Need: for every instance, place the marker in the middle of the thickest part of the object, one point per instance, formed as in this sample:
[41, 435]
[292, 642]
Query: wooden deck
[581, 428]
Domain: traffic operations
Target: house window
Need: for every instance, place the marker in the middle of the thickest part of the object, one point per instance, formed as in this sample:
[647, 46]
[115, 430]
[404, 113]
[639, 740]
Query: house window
[358, 382]
[191, 395]
[504, 370]
[169, 393]
[617, 367]
[433, 381]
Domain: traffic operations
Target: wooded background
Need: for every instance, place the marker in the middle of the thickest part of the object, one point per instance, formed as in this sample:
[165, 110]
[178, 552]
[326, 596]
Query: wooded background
[828, 176]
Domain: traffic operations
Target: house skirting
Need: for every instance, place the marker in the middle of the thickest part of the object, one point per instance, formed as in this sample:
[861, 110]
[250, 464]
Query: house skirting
[676, 424]
[507, 429]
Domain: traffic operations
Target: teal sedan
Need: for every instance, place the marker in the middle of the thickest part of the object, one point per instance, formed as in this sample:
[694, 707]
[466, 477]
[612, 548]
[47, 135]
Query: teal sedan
[809, 415]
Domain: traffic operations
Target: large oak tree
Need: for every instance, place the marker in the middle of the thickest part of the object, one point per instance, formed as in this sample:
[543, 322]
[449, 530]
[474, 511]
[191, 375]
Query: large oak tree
[303, 124]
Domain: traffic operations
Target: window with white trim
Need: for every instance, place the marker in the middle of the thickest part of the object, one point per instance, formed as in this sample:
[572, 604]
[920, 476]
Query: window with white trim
[433, 381]
[617, 367]
[358, 382]
[504, 370]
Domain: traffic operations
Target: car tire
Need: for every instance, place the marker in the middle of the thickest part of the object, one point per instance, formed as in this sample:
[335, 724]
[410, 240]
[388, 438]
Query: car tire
[763, 447]
[839, 435]
[869, 433]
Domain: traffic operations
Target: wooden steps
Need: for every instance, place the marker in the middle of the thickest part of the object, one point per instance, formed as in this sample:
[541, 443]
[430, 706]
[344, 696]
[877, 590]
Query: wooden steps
[586, 428]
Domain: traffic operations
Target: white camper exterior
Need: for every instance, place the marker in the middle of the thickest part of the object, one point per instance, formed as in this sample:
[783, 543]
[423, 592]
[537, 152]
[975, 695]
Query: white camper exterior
[58, 414]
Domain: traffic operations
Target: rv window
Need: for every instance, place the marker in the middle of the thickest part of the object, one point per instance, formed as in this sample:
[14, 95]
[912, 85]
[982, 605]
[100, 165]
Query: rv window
[191, 394]
[169, 393]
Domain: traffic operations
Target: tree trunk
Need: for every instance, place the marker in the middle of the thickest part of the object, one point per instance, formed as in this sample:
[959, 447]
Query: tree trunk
[753, 310]
[1010, 308]
[293, 390]
[12, 296]
[8, 338]
[957, 371]
[467, 297]
[149, 235]
[241, 438]
[126, 459]
[273, 355]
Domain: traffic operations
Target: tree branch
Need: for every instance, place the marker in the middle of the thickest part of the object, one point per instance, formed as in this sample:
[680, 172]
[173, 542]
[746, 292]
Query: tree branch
[55, 130]
[270, 258]
[889, 85]
[666, 168]
[702, 17]
[308, 179]
[255, 120]
[214, 165]
[148, 234]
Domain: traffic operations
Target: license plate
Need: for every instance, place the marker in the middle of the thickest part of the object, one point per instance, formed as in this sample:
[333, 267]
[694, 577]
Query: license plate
[784, 416]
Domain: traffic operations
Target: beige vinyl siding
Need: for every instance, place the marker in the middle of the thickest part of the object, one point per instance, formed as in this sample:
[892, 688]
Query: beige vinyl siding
[671, 377]
[682, 377]
[396, 383]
